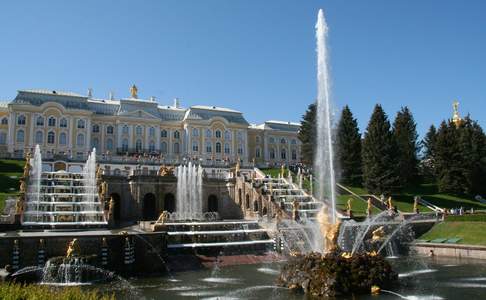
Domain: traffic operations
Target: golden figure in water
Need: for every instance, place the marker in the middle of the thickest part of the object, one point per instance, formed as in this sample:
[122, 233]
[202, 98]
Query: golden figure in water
[378, 234]
[329, 231]
[73, 248]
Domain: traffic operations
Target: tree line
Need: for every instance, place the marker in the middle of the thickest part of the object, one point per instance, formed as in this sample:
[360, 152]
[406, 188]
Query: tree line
[390, 157]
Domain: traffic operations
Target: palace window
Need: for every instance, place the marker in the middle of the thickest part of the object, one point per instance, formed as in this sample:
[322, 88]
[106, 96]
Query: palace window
[294, 155]
[125, 129]
[195, 147]
[283, 141]
[163, 133]
[240, 135]
[109, 144]
[177, 135]
[195, 132]
[176, 148]
[51, 122]
[283, 154]
[21, 120]
[80, 139]
[272, 153]
[138, 145]
[257, 139]
[39, 137]
[94, 143]
[63, 139]
[240, 149]
[39, 121]
[163, 147]
[63, 123]
[151, 146]
[109, 129]
[151, 131]
[20, 136]
[138, 130]
[257, 152]
[209, 133]
[96, 128]
[209, 147]
[294, 142]
[227, 148]
[227, 135]
[4, 121]
[3, 138]
[218, 147]
[218, 134]
[271, 140]
[81, 124]
[125, 145]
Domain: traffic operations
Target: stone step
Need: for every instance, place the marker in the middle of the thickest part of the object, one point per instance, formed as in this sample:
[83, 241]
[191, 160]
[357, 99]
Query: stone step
[220, 244]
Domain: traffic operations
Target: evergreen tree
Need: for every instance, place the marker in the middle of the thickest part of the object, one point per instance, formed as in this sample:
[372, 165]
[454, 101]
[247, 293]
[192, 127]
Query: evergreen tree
[405, 132]
[348, 150]
[379, 154]
[307, 134]
[428, 143]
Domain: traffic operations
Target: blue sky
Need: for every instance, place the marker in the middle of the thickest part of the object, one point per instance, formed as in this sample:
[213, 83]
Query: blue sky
[254, 56]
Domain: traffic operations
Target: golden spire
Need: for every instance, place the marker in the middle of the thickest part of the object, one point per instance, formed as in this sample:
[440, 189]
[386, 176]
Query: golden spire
[456, 118]
[134, 91]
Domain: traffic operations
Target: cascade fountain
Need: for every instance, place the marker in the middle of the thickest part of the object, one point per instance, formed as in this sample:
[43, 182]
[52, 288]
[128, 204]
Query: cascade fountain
[60, 198]
[189, 192]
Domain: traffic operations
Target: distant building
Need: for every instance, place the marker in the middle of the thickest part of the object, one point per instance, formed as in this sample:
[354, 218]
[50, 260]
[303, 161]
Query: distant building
[70, 125]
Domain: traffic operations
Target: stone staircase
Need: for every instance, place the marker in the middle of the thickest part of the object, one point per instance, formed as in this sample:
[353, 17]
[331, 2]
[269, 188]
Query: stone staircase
[228, 236]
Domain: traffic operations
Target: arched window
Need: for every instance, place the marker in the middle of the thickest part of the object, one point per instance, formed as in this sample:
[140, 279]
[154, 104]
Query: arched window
[176, 148]
[125, 145]
[138, 130]
[163, 133]
[4, 121]
[151, 146]
[20, 136]
[177, 134]
[218, 147]
[151, 131]
[218, 134]
[195, 132]
[240, 149]
[95, 143]
[51, 122]
[163, 147]
[209, 147]
[109, 144]
[271, 140]
[39, 121]
[257, 152]
[125, 129]
[240, 135]
[227, 135]
[62, 138]
[96, 128]
[138, 145]
[272, 153]
[255, 206]
[294, 155]
[109, 129]
[21, 120]
[227, 149]
[39, 137]
[3, 138]
[283, 154]
[195, 146]
[63, 123]
[208, 133]
[247, 201]
[80, 140]
[81, 124]
[283, 141]
[294, 142]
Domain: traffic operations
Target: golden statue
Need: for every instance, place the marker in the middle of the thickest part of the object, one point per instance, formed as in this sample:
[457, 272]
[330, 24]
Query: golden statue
[103, 242]
[378, 234]
[368, 208]
[73, 248]
[282, 171]
[237, 168]
[19, 204]
[99, 172]
[111, 208]
[415, 205]
[349, 207]
[166, 171]
[390, 203]
[456, 118]
[41, 243]
[103, 189]
[329, 231]
[134, 91]
[23, 186]
[164, 216]
[27, 168]
[295, 210]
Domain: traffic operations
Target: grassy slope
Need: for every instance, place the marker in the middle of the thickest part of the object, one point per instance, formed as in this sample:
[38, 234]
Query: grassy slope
[42, 292]
[471, 233]
[10, 172]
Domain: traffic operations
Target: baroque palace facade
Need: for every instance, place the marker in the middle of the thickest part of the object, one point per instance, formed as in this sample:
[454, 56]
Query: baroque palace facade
[70, 125]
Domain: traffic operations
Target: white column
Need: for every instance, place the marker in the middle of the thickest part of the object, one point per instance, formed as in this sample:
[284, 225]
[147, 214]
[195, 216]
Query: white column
[88, 134]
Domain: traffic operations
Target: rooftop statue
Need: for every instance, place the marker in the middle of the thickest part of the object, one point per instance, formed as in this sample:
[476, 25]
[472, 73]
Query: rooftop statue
[134, 91]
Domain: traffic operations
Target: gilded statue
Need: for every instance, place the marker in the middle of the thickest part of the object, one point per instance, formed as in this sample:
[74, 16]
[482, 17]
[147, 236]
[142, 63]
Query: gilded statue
[295, 210]
[111, 207]
[27, 168]
[390, 203]
[368, 208]
[349, 208]
[73, 248]
[19, 204]
[23, 186]
[378, 234]
[329, 231]
[237, 168]
[164, 216]
[103, 189]
[415, 204]
[99, 172]
[282, 171]
[166, 171]
[134, 91]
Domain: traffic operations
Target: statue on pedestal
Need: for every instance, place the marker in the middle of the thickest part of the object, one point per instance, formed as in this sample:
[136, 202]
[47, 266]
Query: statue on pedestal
[368, 208]
[349, 208]
[415, 204]
[73, 248]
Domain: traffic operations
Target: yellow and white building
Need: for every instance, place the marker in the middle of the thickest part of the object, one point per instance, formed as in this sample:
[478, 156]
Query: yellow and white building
[69, 124]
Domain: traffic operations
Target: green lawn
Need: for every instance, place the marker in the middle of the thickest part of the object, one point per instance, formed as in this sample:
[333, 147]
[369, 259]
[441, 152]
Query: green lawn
[357, 205]
[10, 173]
[471, 233]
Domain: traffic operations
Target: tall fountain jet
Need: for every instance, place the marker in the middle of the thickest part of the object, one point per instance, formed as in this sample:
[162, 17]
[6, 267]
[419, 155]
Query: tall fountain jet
[323, 160]
[189, 192]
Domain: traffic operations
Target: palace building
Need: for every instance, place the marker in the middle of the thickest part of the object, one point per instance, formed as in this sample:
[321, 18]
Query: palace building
[70, 125]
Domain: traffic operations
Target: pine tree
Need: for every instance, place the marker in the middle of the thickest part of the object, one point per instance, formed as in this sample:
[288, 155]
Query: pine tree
[307, 134]
[379, 154]
[348, 148]
[428, 144]
[405, 132]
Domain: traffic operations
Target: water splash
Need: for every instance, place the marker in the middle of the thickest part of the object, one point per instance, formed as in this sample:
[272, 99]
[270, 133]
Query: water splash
[189, 191]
